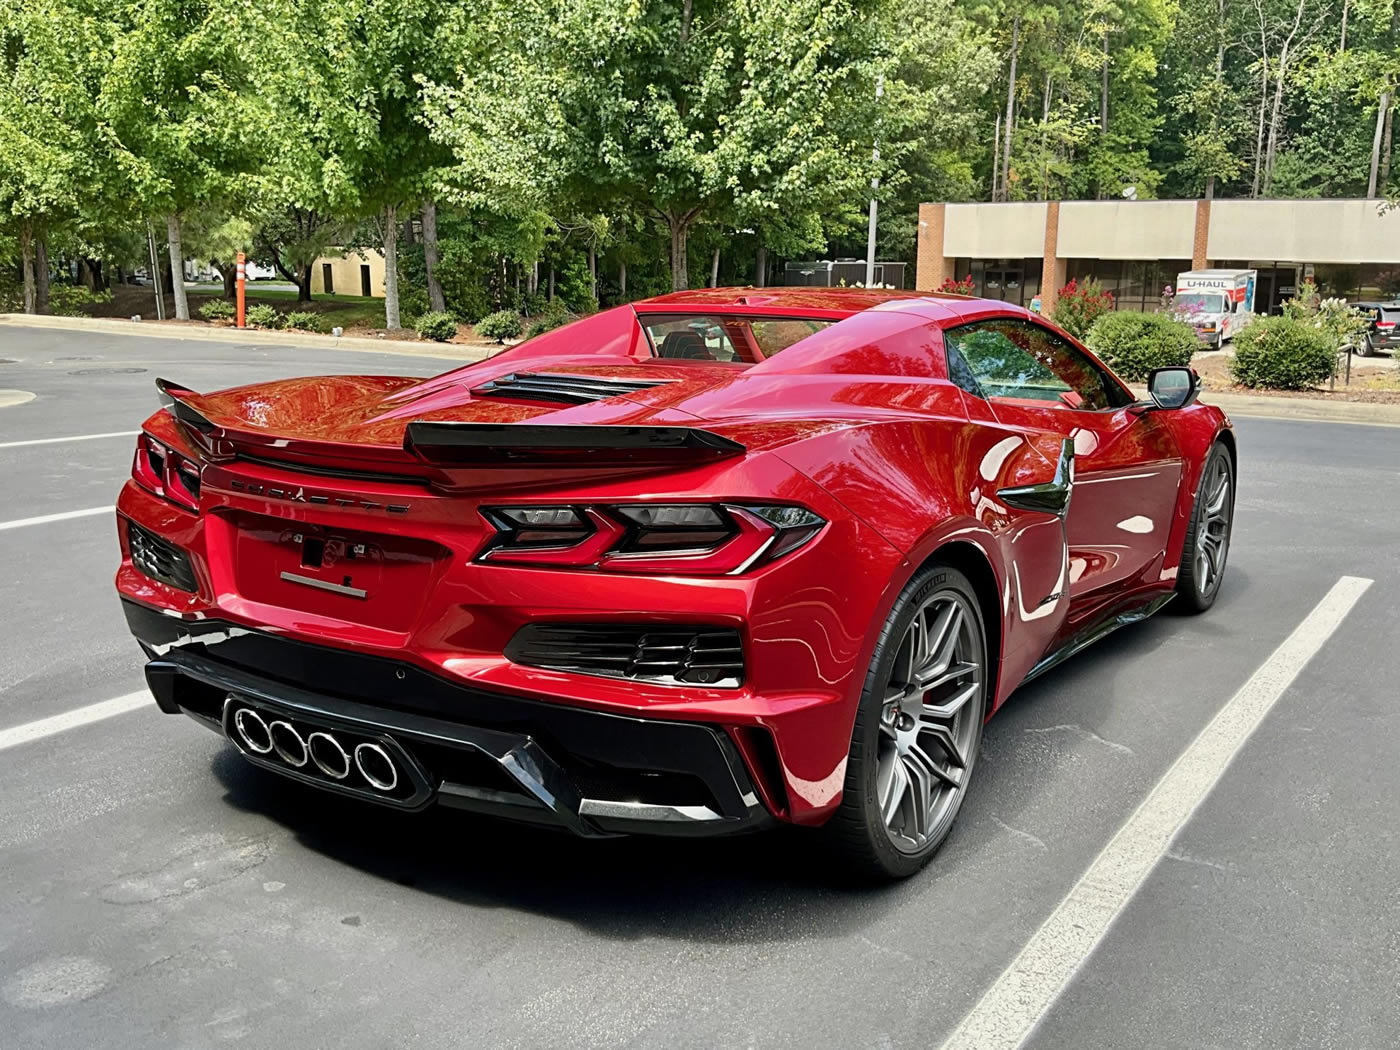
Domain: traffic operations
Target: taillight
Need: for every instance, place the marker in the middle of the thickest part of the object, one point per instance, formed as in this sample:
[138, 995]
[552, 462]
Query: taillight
[166, 473]
[699, 539]
[1385, 324]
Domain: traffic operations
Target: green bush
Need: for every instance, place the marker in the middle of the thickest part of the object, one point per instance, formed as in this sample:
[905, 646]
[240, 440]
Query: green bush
[72, 300]
[555, 316]
[217, 310]
[440, 327]
[413, 304]
[1133, 343]
[262, 315]
[1281, 353]
[305, 321]
[500, 326]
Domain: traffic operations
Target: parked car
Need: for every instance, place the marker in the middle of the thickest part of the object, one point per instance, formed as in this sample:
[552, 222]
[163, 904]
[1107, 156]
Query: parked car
[690, 566]
[1382, 332]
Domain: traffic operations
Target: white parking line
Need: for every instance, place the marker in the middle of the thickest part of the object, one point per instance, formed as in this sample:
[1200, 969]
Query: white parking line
[76, 437]
[30, 731]
[44, 519]
[1028, 988]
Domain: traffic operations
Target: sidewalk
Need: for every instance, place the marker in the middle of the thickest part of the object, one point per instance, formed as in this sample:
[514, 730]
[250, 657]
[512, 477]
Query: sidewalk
[263, 337]
[1317, 410]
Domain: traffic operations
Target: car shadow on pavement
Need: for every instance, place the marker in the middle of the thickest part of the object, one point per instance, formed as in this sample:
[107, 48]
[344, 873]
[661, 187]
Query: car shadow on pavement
[763, 887]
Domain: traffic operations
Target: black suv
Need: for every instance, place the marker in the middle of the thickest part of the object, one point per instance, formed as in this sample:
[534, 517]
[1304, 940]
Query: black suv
[1383, 333]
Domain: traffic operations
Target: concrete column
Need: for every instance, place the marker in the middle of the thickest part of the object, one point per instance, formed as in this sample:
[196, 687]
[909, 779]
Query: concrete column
[1052, 267]
[931, 265]
[1202, 237]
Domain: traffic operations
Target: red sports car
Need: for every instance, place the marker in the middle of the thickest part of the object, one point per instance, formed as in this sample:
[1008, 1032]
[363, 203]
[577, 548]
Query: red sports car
[690, 566]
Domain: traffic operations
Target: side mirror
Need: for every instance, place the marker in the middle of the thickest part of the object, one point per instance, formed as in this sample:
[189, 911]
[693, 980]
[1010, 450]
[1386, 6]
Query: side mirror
[1173, 387]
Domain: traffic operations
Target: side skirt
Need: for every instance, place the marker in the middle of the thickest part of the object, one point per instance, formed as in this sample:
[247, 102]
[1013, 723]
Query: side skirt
[1097, 630]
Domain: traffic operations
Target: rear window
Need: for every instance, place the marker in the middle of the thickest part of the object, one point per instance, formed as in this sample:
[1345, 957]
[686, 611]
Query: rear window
[733, 340]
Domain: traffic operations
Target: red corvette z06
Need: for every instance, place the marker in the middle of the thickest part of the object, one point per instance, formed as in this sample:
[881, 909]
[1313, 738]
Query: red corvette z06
[689, 566]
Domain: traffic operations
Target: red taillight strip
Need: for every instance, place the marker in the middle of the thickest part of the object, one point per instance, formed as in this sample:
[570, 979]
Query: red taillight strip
[732, 555]
[607, 533]
[167, 482]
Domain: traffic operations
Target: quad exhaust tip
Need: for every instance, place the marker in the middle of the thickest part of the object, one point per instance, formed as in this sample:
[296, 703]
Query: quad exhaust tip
[321, 749]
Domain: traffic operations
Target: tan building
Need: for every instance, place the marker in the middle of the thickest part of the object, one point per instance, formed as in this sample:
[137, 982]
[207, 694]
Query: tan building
[349, 273]
[1026, 250]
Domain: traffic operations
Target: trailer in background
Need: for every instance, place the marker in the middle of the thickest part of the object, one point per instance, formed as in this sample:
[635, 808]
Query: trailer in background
[1216, 303]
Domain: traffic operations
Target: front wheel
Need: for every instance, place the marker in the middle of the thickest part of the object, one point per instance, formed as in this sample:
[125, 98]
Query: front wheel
[918, 728]
[1208, 535]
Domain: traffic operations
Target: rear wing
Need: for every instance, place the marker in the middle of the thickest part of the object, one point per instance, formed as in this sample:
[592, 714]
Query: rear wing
[515, 444]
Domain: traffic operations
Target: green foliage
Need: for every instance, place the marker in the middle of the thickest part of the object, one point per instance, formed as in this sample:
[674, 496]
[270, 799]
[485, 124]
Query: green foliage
[1133, 343]
[304, 321]
[1282, 353]
[554, 316]
[217, 310]
[500, 326]
[440, 327]
[69, 300]
[262, 315]
[1080, 304]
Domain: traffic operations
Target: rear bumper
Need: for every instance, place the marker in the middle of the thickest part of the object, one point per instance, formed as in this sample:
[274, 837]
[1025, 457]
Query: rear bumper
[590, 772]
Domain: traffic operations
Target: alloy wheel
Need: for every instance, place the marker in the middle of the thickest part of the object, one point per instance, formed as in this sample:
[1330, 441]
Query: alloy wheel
[1213, 530]
[929, 719]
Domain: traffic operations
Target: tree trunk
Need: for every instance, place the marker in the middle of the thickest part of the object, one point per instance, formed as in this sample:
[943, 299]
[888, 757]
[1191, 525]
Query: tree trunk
[436, 300]
[26, 248]
[1346, 10]
[302, 279]
[1010, 108]
[593, 270]
[41, 272]
[1385, 146]
[551, 281]
[1275, 117]
[1210, 187]
[391, 268]
[714, 269]
[229, 272]
[761, 266]
[408, 230]
[1259, 134]
[996, 156]
[1381, 111]
[1103, 90]
[680, 251]
[177, 266]
[84, 274]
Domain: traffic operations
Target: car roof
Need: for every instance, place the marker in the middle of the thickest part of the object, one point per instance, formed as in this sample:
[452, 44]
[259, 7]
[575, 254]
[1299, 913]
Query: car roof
[828, 303]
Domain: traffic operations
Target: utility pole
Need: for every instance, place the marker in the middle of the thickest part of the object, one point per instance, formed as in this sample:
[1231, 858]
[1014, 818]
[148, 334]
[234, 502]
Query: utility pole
[874, 187]
[155, 271]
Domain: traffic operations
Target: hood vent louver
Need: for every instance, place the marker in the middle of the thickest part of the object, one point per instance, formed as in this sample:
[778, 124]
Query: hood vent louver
[552, 386]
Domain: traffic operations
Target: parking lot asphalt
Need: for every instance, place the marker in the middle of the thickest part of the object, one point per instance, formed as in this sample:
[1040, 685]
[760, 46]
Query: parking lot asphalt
[158, 891]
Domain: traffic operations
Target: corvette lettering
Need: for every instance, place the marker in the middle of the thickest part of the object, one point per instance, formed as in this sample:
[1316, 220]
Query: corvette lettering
[301, 495]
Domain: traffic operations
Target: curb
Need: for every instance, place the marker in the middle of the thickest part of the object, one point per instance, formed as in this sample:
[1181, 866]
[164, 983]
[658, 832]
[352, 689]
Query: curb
[358, 344]
[1302, 409]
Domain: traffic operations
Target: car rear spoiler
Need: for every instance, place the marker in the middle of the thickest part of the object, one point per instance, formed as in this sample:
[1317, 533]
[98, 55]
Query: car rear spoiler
[515, 444]
[172, 398]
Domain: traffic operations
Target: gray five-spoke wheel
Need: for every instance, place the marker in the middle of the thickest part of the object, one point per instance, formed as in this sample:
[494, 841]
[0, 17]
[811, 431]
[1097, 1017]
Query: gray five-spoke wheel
[929, 721]
[1213, 530]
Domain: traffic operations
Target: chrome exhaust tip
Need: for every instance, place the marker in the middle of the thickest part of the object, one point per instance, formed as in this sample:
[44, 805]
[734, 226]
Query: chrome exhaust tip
[288, 743]
[252, 730]
[330, 758]
[376, 766]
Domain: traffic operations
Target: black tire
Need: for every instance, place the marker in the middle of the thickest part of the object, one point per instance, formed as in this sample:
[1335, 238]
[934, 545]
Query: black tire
[1365, 348]
[857, 833]
[1196, 589]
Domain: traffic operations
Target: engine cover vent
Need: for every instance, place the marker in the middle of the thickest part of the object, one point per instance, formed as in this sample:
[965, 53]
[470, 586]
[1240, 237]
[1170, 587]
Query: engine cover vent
[553, 386]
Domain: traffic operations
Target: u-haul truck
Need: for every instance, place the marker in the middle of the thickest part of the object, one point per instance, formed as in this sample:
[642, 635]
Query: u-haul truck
[1217, 303]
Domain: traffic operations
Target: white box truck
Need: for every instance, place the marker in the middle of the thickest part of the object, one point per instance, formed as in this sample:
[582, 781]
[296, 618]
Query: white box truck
[1217, 303]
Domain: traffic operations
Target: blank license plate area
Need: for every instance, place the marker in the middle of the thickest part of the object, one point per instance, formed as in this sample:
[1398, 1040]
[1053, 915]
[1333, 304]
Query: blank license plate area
[369, 578]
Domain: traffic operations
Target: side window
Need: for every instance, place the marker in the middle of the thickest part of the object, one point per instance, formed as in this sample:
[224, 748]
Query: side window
[1007, 358]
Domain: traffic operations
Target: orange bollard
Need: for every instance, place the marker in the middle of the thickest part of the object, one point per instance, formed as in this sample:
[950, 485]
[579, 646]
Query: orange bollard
[241, 285]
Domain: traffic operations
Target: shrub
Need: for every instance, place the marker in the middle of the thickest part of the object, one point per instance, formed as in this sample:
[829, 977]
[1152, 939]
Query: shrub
[953, 287]
[440, 327]
[1081, 303]
[500, 326]
[72, 300]
[304, 321]
[413, 304]
[217, 310]
[1283, 354]
[262, 315]
[554, 317]
[1133, 343]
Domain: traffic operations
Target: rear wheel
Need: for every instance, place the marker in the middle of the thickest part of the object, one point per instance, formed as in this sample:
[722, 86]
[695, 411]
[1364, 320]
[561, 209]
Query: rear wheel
[918, 729]
[1208, 535]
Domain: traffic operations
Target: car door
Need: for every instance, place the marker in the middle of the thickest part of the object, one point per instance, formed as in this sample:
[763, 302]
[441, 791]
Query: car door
[1127, 467]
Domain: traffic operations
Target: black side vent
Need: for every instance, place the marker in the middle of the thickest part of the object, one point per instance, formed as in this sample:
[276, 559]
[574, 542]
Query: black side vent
[551, 386]
[160, 560]
[709, 656]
